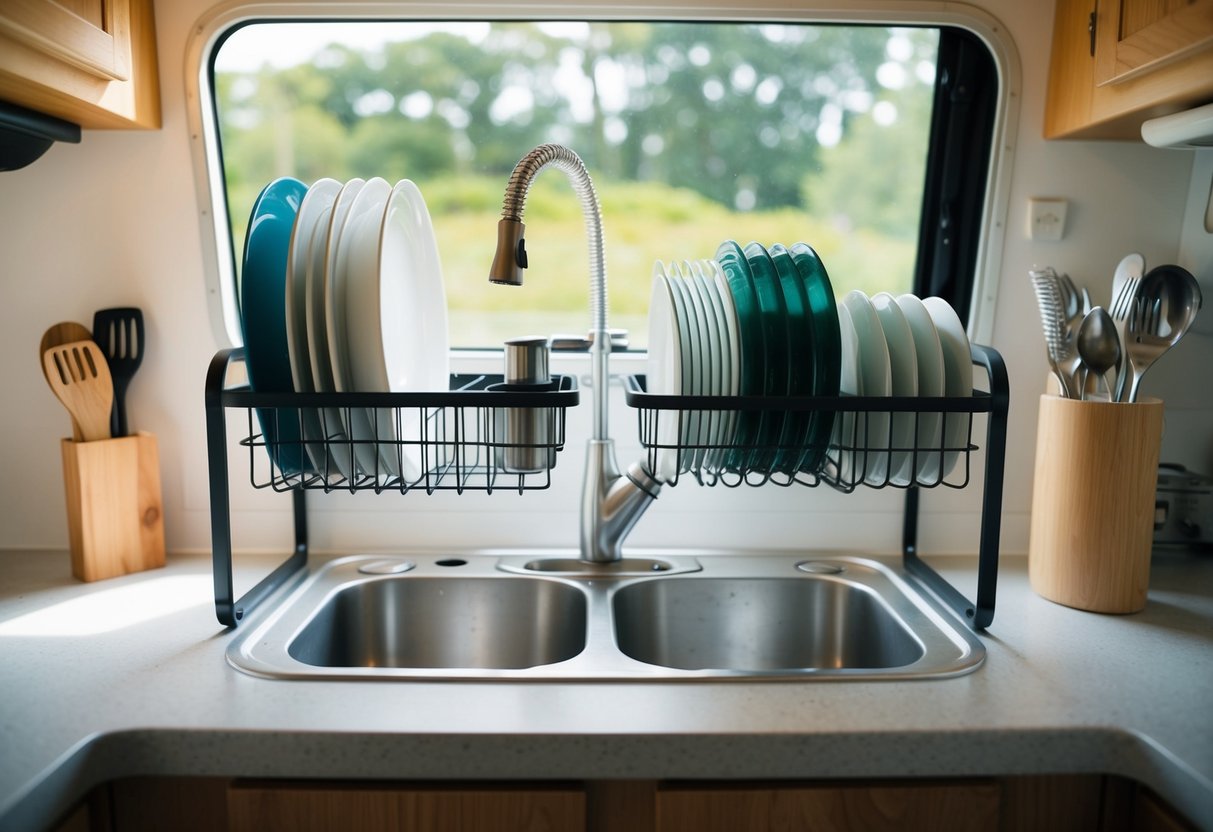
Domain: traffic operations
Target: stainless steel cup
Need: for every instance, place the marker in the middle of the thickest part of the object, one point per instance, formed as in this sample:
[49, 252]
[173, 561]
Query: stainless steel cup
[525, 430]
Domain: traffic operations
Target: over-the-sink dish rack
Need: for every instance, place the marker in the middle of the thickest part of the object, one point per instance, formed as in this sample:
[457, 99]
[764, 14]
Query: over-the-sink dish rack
[459, 443]
[492, 433]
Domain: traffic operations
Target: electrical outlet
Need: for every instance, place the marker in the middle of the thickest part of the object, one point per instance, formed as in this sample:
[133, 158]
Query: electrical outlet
[1047, 218]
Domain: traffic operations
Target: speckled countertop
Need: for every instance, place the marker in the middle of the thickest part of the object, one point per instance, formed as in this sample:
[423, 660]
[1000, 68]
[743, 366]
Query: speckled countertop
[128, 677]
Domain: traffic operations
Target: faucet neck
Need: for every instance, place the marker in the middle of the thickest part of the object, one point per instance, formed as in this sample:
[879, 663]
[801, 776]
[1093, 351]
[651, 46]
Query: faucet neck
[611, 502]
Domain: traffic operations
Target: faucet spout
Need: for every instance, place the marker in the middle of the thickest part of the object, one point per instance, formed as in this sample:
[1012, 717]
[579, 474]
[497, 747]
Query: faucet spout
[611, 502]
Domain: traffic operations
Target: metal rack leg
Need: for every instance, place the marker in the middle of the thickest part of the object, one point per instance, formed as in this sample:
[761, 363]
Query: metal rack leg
[980, 614]
[229, 611]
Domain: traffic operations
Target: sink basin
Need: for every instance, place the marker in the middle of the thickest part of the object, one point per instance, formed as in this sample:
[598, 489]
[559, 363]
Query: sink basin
[761, 624]
[445, 622]
[549, 617]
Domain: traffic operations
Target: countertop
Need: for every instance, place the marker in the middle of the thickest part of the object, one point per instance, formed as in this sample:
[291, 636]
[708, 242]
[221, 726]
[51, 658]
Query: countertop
[128, 677]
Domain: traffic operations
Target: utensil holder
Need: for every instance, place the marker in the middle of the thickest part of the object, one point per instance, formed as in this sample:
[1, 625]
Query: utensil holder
[115, 517]
[1093, 502]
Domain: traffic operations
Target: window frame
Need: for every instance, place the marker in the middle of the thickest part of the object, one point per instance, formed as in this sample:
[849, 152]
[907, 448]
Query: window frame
[209, 33]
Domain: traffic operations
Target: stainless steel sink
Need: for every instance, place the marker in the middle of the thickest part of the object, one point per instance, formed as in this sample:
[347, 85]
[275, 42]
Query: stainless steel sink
[751, 624]
[444, 622]
[663, 617]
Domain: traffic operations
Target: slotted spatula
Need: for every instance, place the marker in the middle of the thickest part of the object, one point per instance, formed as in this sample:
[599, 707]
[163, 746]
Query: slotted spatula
[63, 333]
[79, 376]
[119, 333]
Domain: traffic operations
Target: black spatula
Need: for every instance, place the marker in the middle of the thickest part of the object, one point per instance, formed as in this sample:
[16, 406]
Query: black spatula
[119, 332]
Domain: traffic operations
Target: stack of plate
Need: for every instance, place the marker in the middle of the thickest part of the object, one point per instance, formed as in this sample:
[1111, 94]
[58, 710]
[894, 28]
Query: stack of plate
[342, 292]
[763, 322]
[906, 347]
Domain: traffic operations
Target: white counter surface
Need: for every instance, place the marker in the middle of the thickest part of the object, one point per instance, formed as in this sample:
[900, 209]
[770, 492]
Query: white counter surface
[128, 677]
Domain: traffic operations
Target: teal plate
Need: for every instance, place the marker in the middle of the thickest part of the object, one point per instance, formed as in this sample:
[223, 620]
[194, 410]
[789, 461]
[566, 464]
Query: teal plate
[732, 262]
[263, 316]
[827, 352]
[802, 369]
[773, 313]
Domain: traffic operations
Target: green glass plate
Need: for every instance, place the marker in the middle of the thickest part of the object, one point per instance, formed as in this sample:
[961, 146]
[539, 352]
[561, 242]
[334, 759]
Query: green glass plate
[827, 352]
[732, 262]
[773, 314]
[801, 365]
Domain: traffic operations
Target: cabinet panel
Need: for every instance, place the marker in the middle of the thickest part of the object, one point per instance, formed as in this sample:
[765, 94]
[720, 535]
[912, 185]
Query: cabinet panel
[1134, 36]
[896, 807]
[90, 62]
[93, 35]
[1078, 106]
[301, 808]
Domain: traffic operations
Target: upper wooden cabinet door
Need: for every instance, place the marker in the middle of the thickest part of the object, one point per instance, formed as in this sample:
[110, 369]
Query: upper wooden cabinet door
[1134, 36]
[93, 35]
[91, 62]
[1148, 58]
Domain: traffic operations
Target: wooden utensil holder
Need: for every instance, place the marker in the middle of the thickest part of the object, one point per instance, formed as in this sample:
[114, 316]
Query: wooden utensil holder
[1093, 502]
[115, 517]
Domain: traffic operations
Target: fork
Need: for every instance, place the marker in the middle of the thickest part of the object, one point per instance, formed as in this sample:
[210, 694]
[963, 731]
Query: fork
[1144, 345]
[1122, 308]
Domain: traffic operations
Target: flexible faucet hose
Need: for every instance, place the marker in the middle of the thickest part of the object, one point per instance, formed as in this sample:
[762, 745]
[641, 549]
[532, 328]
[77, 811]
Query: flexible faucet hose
[560, 157]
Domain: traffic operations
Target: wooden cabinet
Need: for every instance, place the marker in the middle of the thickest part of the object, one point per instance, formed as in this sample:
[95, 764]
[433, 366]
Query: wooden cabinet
[271, 807]
[897, 807]
[1141, 59]
[90, 62]
[1077, 803]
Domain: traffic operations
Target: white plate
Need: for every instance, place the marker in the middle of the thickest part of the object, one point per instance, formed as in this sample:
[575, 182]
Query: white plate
[716, 286]
[313, 211]
[958, 377]
[875, 379]
[358, 260]
[319, 277]
[929, 354]
[719, 289]
[903, 365]
[396, 321]
[367, 207]
[707, 381]
[718, 338]
[848, 432]
[664, 372]
[690, 332]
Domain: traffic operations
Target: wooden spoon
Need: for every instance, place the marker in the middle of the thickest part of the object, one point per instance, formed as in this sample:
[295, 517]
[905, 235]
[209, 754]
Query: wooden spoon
[79, 376]
[58, 335]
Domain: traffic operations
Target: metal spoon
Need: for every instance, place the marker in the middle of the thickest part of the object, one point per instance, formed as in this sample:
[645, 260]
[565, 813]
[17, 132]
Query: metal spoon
[1099, 346]
[1167, 302]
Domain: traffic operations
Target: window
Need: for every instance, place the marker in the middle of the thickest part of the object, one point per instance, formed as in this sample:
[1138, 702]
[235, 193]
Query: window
[835, 135]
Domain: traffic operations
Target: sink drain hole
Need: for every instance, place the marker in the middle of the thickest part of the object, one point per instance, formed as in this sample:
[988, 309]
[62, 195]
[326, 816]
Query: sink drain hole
[452, 562]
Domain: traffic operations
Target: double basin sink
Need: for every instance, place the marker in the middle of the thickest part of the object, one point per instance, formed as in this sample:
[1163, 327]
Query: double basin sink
[660, 618]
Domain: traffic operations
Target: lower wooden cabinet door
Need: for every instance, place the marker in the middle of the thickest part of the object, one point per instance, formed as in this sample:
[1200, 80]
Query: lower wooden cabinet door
[254, 807]
[902, 807]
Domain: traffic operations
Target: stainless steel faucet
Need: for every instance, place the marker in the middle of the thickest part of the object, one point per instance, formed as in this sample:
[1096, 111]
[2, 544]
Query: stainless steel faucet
[611, 502]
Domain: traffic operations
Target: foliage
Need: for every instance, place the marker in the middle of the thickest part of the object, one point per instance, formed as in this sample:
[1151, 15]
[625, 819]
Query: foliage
[694, 133]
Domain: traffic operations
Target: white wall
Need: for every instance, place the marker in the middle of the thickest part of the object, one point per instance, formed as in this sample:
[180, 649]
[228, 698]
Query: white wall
[113, 221]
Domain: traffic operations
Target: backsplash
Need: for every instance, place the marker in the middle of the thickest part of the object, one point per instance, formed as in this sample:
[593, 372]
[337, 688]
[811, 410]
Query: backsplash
[129, 235]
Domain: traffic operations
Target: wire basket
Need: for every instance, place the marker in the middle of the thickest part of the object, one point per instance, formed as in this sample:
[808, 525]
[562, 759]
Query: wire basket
[481, 435]
[841, 441]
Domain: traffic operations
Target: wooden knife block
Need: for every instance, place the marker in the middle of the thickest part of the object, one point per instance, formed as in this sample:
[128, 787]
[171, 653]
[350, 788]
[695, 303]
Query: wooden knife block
[115, 518]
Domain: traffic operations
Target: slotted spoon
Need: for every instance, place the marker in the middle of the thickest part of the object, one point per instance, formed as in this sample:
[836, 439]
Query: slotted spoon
[62, 333]
[79, 376]
[119, 333]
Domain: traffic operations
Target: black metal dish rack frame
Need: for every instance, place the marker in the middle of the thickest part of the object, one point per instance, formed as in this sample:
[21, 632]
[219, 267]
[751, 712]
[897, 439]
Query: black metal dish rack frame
[459, 443]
